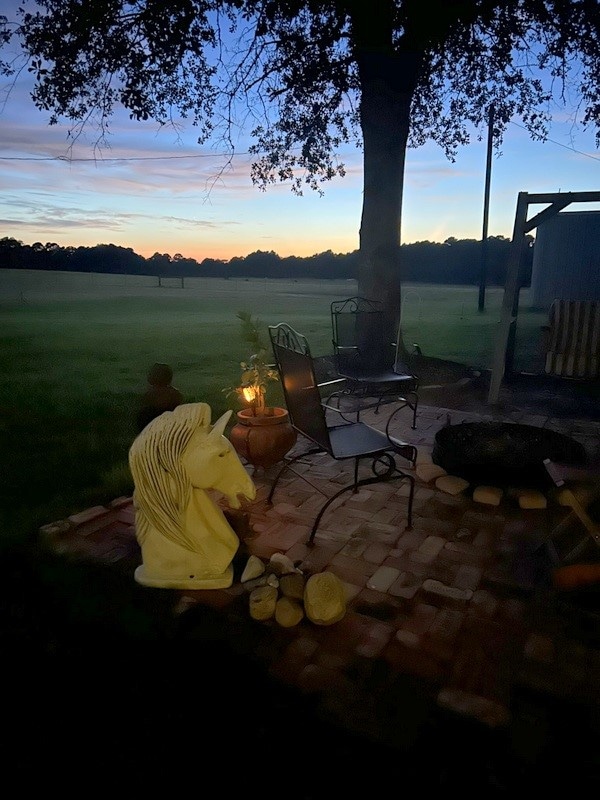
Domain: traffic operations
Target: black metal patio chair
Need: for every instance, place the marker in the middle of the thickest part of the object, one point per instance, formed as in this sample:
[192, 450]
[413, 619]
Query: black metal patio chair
[348, 440]
[369, 382]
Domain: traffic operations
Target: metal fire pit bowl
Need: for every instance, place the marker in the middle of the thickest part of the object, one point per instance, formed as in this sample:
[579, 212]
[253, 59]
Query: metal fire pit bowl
[503, 453]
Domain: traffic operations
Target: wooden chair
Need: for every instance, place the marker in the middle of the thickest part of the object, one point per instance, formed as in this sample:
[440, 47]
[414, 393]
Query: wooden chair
[580, 489]
[347, 441]
[368, 382]
[572, 339]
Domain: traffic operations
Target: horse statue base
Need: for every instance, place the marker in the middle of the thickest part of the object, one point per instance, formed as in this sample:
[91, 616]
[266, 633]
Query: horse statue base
[223, 581]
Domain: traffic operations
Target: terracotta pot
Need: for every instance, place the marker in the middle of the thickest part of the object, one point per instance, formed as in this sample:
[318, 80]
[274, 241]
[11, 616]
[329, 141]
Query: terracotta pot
[264, 440]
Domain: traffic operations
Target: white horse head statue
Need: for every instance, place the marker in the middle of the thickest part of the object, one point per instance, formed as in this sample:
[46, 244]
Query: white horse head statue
[176, 461]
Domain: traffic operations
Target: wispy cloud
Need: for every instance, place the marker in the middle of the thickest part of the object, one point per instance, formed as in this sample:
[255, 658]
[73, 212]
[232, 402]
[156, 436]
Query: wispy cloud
[155, 188]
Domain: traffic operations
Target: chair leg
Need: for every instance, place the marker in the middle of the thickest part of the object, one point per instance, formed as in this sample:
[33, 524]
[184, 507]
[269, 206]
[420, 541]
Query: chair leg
[577, 514]
[587, 521]
[324, 508]
[414, 408]
[411, 497]
[412, 450]
[407, 451]
[354, 488]
[560, 474]
[288, 463]
[565, 552]
[412, 403]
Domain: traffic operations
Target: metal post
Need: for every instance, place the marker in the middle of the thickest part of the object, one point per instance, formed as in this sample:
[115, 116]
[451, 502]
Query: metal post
[486, 210]
[508, 320]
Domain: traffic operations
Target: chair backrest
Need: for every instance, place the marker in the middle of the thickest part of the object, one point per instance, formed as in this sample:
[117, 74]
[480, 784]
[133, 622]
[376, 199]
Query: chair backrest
[300, 389]
[574, 339]
[358, 332]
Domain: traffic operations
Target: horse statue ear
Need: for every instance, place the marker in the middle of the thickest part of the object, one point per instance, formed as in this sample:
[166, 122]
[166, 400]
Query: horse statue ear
[219, 426]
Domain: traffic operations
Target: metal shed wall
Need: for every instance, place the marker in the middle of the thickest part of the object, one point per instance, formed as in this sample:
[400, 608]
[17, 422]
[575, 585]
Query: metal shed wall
[566, 258]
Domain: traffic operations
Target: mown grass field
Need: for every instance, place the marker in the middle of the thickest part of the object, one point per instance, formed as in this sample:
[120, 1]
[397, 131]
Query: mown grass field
[75, 350]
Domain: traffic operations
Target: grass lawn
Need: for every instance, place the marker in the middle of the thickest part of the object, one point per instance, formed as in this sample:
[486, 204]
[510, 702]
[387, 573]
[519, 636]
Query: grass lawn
[76, 349]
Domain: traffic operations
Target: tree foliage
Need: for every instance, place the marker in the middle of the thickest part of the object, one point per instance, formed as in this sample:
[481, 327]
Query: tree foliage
[304, 78]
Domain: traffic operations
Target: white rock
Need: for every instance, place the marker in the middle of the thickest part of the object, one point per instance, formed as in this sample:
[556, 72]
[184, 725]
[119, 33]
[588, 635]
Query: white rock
[282, 564]
[254, 567]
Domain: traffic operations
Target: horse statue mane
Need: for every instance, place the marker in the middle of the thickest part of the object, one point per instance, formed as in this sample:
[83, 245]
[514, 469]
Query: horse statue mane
[176, 461]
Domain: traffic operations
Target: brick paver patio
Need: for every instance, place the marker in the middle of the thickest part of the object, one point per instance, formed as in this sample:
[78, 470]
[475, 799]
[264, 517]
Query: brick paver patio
[462, 604]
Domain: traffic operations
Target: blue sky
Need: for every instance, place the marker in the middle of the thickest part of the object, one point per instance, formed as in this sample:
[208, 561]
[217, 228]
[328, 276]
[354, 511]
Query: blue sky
[159, 191]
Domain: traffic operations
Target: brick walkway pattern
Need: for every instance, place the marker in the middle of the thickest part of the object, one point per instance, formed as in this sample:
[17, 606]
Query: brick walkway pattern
[462, 604]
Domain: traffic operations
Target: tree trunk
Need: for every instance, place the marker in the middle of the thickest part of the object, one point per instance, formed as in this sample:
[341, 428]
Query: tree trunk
[388, 82]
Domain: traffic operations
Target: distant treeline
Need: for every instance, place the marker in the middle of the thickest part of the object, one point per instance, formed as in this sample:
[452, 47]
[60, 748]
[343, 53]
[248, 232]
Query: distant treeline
[455, 261]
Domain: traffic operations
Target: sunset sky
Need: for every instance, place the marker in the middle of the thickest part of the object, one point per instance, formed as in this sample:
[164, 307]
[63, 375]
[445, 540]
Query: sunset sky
[159, 191]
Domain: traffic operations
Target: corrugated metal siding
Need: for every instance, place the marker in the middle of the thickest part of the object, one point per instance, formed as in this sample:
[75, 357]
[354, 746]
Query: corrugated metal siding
[566, 259]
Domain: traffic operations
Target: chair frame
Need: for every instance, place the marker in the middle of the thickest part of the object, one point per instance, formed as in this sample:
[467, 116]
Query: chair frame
[370, 387]
[349, 440]
[568, 478]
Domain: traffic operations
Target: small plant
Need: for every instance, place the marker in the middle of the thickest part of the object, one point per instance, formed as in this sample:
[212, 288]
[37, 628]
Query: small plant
[256, 373]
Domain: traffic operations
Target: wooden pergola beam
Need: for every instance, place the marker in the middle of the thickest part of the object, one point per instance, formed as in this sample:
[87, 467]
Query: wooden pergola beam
[547, 213]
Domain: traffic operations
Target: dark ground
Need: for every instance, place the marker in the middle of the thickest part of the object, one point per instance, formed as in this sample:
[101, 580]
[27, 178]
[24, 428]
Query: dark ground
[462, 388]
[448, 384]
[103, 690]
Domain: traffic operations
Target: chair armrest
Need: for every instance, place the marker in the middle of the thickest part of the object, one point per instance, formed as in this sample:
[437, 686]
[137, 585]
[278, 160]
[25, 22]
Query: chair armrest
[331, 382]
[327, 407]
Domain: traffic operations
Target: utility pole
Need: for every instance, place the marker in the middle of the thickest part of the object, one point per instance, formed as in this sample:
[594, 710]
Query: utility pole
[486, 209]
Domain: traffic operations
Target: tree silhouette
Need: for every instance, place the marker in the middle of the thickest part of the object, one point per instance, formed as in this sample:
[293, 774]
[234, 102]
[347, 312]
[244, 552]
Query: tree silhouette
[423, 262]
[307, 77]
